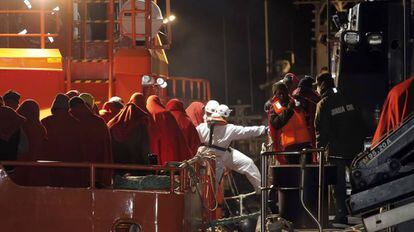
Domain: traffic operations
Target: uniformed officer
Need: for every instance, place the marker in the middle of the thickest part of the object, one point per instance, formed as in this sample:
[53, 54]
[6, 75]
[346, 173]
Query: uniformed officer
[339, 128]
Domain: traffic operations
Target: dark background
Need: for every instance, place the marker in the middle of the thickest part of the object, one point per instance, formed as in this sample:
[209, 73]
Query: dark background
[198, 43]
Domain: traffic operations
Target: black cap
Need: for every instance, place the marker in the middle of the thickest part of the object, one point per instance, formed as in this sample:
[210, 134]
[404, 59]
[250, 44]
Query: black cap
[325, 78]
[306, 82]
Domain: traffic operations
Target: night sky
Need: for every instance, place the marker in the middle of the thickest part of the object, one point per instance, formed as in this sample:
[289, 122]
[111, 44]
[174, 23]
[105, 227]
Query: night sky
[198, 43]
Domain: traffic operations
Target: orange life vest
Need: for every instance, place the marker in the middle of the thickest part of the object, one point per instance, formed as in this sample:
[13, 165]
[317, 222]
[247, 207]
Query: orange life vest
[296, 130]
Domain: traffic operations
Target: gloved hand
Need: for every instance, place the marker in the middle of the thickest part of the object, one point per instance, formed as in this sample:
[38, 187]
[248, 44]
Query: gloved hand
[266, 131]
[297, 103]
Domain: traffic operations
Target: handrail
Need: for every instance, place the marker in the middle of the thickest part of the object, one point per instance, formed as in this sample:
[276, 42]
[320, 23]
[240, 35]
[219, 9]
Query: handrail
[264, 185]
[42, 33]
[88, 165]
[199, 88]
[93, 166]
[304, 151]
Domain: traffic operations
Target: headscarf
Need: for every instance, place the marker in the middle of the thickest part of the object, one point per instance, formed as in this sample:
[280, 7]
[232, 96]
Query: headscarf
[195, 111]
[72, 93]
[139, 100]
[88, 99]
[176, 107]
[128, 119]
[130, 142]
[173, 146]
[61, 102]
[110, 110]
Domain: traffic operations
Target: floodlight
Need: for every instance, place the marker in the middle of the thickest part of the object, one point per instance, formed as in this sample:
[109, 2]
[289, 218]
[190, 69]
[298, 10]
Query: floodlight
[160, 81]
[164, 85]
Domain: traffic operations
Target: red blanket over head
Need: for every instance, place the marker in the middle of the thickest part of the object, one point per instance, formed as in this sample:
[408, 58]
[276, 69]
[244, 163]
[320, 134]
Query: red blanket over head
[95, 138]
[139, 100]
[196, 112]
[173, 146]
[130, 138]
[176, 107]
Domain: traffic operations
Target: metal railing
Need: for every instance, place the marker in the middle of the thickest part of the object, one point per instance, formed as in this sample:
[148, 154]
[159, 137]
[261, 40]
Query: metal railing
[93, 166]
[265, 188]
[199, 89]
[43, 34]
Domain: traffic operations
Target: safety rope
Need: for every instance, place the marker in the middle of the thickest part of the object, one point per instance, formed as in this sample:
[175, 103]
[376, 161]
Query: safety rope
[195, 180]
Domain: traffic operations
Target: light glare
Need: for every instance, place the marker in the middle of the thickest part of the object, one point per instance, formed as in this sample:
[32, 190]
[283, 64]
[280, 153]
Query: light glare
[164, 85]
[171, 18]
[160, 81]
[28, 4]
[23, 32]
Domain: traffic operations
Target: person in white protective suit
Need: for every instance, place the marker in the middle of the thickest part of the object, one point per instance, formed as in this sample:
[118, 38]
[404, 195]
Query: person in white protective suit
[216, 135]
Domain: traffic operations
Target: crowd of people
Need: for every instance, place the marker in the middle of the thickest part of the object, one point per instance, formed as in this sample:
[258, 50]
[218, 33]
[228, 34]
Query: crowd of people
[302, 117]
[145, 131]
[141, 131]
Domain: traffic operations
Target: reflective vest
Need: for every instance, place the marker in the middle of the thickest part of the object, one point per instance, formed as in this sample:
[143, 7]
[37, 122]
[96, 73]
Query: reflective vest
[295, 131]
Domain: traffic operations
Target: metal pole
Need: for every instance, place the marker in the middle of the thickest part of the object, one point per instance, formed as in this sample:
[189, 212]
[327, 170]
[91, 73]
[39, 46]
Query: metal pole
[69, 39]
[266, 18]
[302, 191]
[84, 17]
[264, 200]
[321, 188]
[169, 31]
[148, 24]
[7, 21]
[134, 42]
[42, 24]
[249, 46]
[404, 40]
[328, 32]
[225, 63]
[110, 46]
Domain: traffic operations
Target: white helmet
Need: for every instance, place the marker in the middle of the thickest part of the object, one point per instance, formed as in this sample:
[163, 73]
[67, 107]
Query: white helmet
[116, 99]
[211, 106]
[223, 110]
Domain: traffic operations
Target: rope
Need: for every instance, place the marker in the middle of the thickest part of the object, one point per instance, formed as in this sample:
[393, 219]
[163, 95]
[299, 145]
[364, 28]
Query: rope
[212, 185]
[232, 220]
[196, 180]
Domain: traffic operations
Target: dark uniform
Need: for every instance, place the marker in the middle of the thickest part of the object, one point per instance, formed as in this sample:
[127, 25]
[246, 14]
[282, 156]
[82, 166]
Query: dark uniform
[339, 128]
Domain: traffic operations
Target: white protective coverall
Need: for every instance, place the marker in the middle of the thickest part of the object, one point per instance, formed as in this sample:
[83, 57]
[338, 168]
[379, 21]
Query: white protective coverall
[223, 135]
